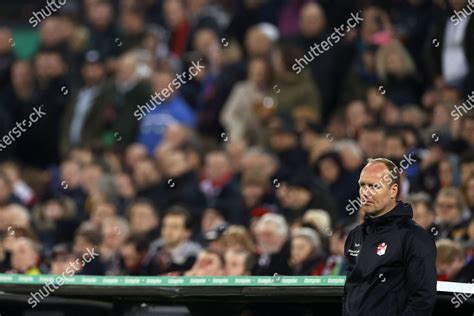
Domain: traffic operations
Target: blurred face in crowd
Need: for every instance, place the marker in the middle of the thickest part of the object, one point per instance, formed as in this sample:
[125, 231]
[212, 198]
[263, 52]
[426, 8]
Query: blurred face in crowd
[205, 40]
[50, 31]
[24, 256]
[259, 161]
[145, 174]
[445, 172]
[126, 70]
[22, 75]
[356, 114]
[135, 154]
[93, 73]
[336, 244]
[60, 263]
[114, 232]
[217, 165]
[124, 186]
[446, 209]
[174, 13]
[100, 16]
[131, 22]
[257, 43]
[131, 257]
[394, 147]
[211, 219]
[458, 4]
[371, 142]
[49, 65]
[451, 268]
[53, 211]
[5, 190]
[252, 194]
[329, 170]
[143, 218]
[470, 230]
[422, 215]
[376, 192]
[14, 215]
[281, 141]
[235, 263]
[269, 239]
[467, 171]
[236, 151]
[102, 212]
[467, 131]
[312, 20]
[174, 163]
[174, 230]
[208, 264]
[470, 192]
[298, 197]
[301, 249]
[5, 36]
[71, 173]
[161, 80]
[90, 177]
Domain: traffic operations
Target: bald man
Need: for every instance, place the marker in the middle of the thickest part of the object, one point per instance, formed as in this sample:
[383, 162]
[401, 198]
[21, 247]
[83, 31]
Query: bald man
[391, 260]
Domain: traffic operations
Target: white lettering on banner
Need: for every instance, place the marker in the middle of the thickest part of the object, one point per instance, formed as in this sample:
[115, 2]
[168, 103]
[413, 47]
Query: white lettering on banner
[197, 281]
[243, 281]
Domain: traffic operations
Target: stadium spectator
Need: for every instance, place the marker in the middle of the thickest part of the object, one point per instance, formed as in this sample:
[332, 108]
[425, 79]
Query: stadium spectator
[26, 257]
[238, 263]
[208, 263]
[306, 252]
[173, 252]
[271, 234]
[451, 215]
[144, 219]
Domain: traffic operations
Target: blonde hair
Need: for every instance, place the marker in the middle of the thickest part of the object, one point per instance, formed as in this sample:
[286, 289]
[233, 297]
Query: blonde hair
[447, 251]
[241, 236]
[394, 47]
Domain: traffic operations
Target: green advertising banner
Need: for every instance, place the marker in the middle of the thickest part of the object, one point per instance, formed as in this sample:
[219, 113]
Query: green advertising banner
[174, 281]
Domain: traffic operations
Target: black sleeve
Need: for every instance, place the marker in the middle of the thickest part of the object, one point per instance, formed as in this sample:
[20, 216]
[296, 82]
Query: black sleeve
[349, 268]
[420, 272]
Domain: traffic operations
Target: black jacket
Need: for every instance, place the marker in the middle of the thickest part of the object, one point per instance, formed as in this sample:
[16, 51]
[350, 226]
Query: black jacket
[391, 267]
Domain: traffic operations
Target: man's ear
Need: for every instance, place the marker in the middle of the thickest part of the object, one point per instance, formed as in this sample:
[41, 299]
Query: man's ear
[394, 191]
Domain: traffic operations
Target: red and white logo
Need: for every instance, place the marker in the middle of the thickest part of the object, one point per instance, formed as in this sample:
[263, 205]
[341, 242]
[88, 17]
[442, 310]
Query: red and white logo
[381, 248]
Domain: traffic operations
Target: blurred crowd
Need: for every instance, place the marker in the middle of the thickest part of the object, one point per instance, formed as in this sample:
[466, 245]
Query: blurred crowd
[245, 168]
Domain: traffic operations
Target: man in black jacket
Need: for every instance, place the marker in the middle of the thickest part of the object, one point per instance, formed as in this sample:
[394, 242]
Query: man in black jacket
[391, 260]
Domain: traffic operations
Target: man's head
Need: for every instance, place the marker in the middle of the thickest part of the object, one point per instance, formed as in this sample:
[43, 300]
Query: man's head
[238, 263]
[449, 258]
[176, 226]
[271, 233]
[305, 243]
[449, 205]
[423, 214]
[379, 185]
[143, 216]
[217, 165]
[25, 254]
[133, 251]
